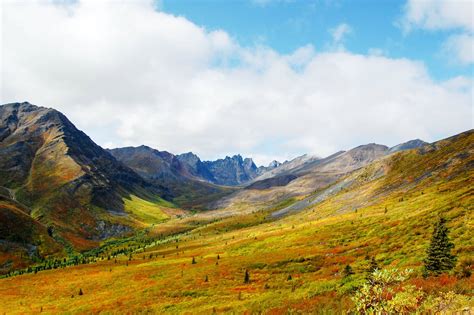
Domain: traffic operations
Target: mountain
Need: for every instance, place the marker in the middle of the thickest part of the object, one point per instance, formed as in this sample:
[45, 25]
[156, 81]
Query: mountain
[339, 162]
[63, 180]
[187, 179]
[230, 171]
[412, 144]
[294, 252]
[196, 167]
[265, 169]
[303, 176]
[287, 167]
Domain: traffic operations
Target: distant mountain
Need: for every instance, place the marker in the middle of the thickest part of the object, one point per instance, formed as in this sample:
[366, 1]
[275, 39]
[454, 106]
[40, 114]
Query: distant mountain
[196, 167]
[264, 169]
[412, 144]
[185, 176]
[169, 169]
[62, 178]
[337, 163]
[304, 175]
[232, 171]
[287, 167]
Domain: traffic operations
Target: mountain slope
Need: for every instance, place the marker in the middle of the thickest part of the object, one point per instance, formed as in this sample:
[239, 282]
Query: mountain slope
[303, 177]
[412, 144]
[63, 178]
[232, 171]
[187, 183]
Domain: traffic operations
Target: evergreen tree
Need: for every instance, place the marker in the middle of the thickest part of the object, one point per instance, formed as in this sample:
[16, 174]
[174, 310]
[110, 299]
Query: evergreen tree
[347, 271]
[247, 277]
[193, 261]
[80, 292]
[439, 257]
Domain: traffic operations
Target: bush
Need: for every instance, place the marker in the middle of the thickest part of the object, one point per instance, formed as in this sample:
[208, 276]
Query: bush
[378, 294]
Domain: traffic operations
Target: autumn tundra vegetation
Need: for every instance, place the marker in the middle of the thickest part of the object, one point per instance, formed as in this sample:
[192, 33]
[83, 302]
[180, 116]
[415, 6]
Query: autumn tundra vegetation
[392, 235]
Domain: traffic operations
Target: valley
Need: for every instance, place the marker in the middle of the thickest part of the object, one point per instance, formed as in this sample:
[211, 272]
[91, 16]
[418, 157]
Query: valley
[88, 230]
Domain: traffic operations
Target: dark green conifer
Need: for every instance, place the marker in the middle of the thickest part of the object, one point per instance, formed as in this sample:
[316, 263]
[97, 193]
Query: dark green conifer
[439, 257]
[247, 277]
[347, 271]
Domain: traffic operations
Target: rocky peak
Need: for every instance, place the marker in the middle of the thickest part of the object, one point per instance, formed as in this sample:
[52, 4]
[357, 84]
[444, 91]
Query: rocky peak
[273, 164]
[412, 144]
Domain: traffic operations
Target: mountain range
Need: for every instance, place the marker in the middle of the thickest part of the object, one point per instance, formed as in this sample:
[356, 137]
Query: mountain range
[61, 192]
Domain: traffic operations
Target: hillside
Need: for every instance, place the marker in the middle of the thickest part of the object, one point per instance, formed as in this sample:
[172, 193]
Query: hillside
[186, 183]
[384, 210]
[63, 181]
[305, 176]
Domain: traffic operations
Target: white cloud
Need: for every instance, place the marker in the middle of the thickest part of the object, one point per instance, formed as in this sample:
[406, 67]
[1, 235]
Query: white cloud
[128, 75]
[439, 14]
[461, 46]
[376, 51]
[450, 15]
[338, 34]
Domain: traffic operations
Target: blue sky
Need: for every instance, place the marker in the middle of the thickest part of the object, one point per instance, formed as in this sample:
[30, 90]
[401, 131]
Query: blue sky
[287, 25]
[268, 79]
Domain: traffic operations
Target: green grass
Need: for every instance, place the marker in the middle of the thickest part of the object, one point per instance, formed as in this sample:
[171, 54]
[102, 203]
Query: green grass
[146, 211]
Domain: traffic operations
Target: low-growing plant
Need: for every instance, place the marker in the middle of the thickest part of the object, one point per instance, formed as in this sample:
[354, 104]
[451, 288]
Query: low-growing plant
[381, 294]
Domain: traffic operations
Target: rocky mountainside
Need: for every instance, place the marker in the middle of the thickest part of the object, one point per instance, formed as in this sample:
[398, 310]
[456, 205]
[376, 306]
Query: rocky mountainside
[339, 162]
[412, 144]
[304, 175]
[61, 178]
[167, 168]
[271, 166]
[185, 176]
[232, 171]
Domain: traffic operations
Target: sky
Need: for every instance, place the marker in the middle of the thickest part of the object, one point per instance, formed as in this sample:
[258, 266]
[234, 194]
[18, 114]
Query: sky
[268, 79]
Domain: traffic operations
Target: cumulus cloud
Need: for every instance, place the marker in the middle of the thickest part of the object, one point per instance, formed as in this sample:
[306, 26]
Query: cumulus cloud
[461, 46]
[438, 14]
[448, 15]
[129, 75]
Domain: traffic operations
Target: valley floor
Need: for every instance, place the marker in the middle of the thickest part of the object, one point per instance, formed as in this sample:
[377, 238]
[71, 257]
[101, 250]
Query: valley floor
[294, 264]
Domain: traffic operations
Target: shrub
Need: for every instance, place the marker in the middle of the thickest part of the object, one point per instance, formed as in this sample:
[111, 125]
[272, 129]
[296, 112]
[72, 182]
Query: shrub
[378, 294]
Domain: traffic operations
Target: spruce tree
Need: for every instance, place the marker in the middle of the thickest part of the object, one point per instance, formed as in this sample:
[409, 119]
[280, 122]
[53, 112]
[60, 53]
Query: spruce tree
[247, 277]
[439, 257]
[347, 271]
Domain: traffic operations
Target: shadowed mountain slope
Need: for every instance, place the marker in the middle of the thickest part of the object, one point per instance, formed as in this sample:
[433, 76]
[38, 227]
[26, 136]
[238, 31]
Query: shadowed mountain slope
[188, 183]
[63, 179]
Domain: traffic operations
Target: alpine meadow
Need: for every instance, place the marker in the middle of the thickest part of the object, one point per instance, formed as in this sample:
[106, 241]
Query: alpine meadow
[242, 157]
